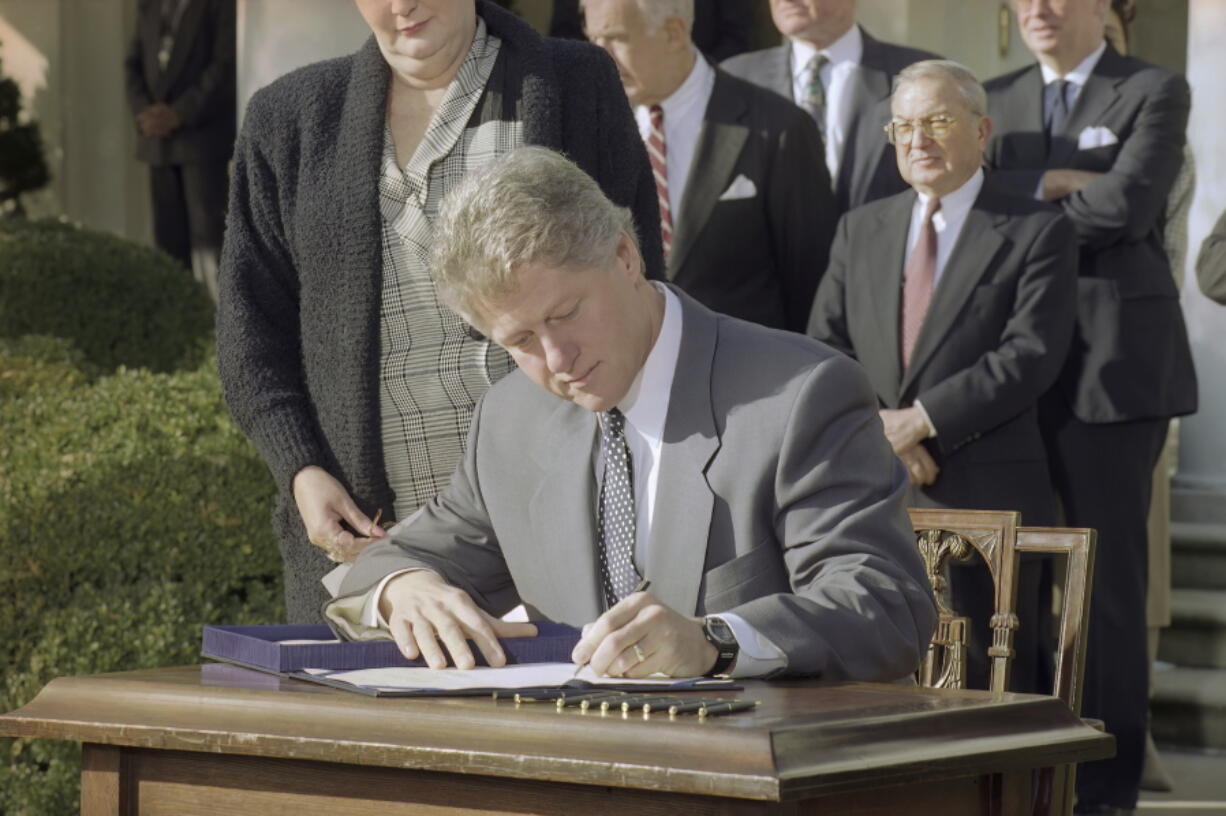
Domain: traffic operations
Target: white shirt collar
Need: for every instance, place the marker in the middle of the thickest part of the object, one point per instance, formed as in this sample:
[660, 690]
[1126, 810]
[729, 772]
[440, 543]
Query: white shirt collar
[646, 403]
[848, 48]
[1078, 75]
[691, 91]
[957, 204]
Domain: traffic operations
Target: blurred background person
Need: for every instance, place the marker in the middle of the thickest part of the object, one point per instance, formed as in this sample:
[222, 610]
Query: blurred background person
[336, 357]
[1102, 136]
[180, 75]
[1211, 262]
[842, 76]
[721, 28]
[745, 206]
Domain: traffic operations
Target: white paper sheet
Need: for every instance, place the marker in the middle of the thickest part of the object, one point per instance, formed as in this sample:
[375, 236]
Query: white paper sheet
[529, 675]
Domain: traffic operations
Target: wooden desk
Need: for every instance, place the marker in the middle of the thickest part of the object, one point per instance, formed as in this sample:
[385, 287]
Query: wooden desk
[218, 739]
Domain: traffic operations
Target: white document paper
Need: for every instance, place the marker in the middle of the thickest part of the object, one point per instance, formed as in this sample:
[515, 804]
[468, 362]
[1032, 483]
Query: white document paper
[528, 675]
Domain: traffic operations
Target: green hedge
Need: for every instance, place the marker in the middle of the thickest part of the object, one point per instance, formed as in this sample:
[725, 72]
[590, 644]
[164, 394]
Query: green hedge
[132, 512]
[118, 302]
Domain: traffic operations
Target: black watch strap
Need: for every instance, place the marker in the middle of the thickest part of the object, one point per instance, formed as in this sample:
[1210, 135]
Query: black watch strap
[719, 634]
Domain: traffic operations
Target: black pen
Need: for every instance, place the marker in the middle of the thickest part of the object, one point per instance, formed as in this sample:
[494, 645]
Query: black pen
[642, 587]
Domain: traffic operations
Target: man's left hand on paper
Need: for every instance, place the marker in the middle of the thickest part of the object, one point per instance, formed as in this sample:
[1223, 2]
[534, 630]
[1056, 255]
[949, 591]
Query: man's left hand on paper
[668, 642]
[424, 613]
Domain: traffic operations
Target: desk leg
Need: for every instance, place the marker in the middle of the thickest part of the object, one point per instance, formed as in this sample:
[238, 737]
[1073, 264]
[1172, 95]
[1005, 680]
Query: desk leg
[103, 787]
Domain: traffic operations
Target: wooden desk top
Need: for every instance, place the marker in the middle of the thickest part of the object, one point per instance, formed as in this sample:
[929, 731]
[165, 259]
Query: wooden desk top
[803, 740]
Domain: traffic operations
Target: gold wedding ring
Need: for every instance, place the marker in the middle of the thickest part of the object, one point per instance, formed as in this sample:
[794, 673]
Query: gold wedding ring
[639, 654]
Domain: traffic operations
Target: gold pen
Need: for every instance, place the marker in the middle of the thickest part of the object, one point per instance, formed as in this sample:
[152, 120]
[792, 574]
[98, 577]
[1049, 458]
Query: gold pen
[642, 587]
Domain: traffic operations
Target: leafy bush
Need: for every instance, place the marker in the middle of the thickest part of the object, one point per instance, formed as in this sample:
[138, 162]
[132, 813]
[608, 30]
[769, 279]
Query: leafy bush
[118, 302]
[132, 510]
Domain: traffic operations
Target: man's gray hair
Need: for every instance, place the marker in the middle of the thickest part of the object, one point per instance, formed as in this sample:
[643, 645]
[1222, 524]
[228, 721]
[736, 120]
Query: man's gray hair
[972, 92]
[530, 206]
[655, 12]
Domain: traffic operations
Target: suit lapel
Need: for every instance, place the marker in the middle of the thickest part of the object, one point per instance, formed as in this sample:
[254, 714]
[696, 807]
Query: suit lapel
[882, 264]
[562, 512]
[720, 141]
[1097, 96]
[185, 36]
[972, 257]
[862, 150]
[778, 76]
[681, 520]
[1019, 121]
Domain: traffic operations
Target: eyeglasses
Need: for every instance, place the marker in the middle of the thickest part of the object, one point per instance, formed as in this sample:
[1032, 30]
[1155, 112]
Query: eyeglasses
[935, 127]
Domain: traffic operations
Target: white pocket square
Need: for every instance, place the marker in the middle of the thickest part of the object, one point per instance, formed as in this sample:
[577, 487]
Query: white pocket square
[1096, 136]
[740, 187]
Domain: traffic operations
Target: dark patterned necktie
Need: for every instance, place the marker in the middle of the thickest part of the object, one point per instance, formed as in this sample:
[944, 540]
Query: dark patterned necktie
[615, 513]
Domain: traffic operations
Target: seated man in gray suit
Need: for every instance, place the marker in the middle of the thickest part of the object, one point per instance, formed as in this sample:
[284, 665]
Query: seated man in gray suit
[957, 297]
[743, 471]
[746, 212]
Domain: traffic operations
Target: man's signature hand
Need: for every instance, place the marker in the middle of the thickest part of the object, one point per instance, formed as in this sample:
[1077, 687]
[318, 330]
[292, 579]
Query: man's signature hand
[668, 642]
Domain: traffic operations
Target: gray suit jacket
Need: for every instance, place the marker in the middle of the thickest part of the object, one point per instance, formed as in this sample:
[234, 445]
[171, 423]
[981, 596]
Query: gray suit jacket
[1130, 357]
[779, 500]
[198, 82]
[867, 170]
[758, 257]
[992, 342]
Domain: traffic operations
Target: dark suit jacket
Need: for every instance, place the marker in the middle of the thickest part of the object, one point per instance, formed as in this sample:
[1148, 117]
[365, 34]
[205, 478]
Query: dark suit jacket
[1130, 357]
[868, 169]
[993, 340]
[779, 500]
[758, 257]
[199, 81]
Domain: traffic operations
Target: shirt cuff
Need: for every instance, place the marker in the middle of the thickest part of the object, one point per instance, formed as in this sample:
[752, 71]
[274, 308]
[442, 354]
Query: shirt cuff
[932, 429]
[371, 616]
[757, 656]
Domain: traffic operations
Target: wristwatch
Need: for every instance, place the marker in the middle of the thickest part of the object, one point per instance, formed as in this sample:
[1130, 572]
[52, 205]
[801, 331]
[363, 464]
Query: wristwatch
[719, 634]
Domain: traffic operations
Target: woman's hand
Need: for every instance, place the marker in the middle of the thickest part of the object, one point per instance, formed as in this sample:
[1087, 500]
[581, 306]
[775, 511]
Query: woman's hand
[325, 507]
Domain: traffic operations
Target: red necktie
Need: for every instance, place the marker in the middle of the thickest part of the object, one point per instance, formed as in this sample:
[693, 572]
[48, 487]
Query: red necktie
[658, 153]
[918, 277]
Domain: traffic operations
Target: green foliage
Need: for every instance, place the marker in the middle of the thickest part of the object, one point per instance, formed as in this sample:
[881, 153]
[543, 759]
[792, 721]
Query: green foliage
[132, 510]
[23, 168]
[119, 303]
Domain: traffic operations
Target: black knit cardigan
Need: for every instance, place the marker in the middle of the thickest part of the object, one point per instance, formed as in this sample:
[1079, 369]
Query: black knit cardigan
[301, 270]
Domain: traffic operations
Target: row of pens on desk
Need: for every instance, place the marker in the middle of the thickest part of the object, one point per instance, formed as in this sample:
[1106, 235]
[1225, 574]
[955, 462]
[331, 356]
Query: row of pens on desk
[620, 701]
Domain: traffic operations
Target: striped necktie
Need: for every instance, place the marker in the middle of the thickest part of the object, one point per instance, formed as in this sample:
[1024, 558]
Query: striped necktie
[657, 151]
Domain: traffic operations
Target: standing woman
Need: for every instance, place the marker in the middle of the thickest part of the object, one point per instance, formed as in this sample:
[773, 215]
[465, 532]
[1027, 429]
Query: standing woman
[336, 357]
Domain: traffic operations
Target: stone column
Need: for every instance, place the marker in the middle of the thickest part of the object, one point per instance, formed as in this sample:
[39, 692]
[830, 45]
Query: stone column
[1202, 464]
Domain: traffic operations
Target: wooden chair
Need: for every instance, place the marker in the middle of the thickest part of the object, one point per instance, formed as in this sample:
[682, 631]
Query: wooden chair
[997, 538]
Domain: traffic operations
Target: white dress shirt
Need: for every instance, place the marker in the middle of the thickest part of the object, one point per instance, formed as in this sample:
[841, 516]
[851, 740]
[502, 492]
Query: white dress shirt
[948, 222]
[645, 407]
[684, 112]
[844, 56]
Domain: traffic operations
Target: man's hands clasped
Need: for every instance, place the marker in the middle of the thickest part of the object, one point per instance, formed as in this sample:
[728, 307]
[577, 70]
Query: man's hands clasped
[906, 428]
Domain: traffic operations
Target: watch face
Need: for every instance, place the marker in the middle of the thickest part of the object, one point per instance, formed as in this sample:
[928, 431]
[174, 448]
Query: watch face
[720, 631]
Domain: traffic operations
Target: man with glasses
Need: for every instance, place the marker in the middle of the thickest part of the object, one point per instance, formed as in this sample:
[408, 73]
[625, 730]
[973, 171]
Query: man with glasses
[957, 298]
[1102, 136]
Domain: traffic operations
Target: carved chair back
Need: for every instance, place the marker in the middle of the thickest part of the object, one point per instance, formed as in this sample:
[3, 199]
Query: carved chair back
[997, 539]
[947, 535]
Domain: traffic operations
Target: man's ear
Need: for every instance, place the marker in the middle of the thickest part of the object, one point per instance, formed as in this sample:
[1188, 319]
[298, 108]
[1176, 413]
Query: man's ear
[985, 131]
[629, 260]
[678, 32]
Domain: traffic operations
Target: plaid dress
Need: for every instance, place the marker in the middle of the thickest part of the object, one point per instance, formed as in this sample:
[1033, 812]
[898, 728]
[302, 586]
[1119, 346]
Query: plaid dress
[432, 371]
